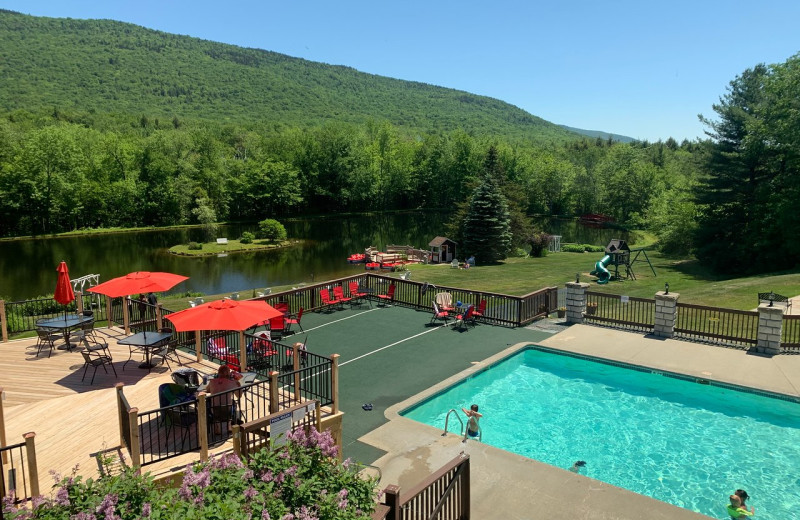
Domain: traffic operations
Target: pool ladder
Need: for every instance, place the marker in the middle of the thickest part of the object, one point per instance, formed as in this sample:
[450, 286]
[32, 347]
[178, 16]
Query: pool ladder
[463, 431]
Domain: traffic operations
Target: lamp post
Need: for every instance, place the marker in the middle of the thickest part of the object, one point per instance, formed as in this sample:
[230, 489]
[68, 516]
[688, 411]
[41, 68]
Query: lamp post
[771, 298]
[666, 288]
[577, 277]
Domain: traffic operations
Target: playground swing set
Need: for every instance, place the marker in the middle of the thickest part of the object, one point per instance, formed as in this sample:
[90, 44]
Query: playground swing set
[618, 254]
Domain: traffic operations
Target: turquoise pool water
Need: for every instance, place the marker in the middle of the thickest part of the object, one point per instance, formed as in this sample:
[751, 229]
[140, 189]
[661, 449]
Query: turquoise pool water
[678, 441]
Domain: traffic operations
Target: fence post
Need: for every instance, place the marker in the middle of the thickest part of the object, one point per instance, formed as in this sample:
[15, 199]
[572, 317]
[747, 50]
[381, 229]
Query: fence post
[109, 316]
[770, 328]
[242, 353]
[121, 411]
[273, 392]
[666, 314]
[296, 361]
[335, 382]
[79, 302]
[202, 426]
[576, 301]
[159, 316]
[3, 425]
[135, 447]
[126, 314]
[3, 323]
[198, 345]
[465, 486]
[391, 497]
[33, 471]
[237, 440]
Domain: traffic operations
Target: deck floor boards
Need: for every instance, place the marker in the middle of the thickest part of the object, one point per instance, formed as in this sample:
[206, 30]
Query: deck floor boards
[74, 420]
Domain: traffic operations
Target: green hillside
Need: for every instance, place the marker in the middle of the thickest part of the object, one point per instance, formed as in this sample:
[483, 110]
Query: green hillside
[106, 66]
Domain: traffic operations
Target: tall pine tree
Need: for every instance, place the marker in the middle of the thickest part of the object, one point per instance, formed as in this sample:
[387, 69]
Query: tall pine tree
[487, 225]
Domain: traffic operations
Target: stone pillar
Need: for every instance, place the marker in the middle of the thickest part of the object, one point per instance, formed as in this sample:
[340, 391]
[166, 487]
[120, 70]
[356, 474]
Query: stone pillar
[666, 314]
[576, 301]
[770, 324]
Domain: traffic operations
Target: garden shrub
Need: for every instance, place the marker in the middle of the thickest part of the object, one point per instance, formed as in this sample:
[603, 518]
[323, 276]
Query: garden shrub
[572, 248]
[301, 480]
[594, 249]
[539, 242]
[195, 246]
[271, 229]
[247, 238]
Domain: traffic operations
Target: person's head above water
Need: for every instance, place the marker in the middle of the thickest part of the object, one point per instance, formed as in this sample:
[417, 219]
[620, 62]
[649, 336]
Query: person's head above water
[474, 407]
[580, 463]
[736, 501]
[742, 494]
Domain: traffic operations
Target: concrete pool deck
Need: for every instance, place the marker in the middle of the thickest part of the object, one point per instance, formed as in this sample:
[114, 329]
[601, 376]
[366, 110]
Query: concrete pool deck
[509, 486]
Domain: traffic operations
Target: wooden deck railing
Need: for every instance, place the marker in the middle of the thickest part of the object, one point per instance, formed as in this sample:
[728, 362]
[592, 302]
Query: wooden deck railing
[19, 476]
[790, 334]
[729, 326]
[445, 495]
[625, 312]
[256, 434]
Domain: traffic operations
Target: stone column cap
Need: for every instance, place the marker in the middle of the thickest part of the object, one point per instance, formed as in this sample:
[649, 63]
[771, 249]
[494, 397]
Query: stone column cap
[764, 307]
[673, 296]
[578, 285]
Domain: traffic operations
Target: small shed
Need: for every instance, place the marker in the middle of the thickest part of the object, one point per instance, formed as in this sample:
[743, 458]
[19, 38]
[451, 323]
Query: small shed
[443, 250]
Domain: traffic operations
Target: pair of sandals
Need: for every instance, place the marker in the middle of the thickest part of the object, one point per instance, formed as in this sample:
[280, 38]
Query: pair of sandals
[367, 407]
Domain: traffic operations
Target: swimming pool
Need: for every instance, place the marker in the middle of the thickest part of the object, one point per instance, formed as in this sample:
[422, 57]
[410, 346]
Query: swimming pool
[674, 439]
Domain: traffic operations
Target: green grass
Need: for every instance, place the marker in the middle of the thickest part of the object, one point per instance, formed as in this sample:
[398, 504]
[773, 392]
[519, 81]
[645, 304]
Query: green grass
[695, 283]
[233, 246]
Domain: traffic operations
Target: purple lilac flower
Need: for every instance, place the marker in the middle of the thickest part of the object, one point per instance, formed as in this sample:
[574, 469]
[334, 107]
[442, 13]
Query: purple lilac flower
[83, 516]
[62, 496]
[288, 516]
[267, 476]
[146, 509]
[279, 477]
[342, 504]
[250, 492]
[248, 474]
[265, 514]
[292, 470]
[106, 507]
[228, 460]
[342, 494]
[347, 463]
[306, 514]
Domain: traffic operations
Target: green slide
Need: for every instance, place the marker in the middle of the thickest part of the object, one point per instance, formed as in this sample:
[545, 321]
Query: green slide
[600, 271]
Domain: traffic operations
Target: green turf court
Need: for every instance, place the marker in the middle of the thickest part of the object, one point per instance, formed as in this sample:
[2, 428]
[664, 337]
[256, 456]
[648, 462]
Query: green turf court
[387, 354]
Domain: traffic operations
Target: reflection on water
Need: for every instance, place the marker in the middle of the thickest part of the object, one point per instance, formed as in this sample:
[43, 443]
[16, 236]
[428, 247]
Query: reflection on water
[27, 267]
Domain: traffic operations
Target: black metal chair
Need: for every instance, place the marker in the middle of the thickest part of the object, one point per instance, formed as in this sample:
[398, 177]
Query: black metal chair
[46, 340]
[169, 351]
[183, 417]
[96, 360]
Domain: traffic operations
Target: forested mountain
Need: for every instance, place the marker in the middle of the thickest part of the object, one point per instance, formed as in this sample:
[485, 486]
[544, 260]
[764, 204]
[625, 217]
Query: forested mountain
[108, 66]
[599, 133]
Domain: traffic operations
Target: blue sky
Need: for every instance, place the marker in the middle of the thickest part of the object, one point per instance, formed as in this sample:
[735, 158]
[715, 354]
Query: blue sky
[642, 69]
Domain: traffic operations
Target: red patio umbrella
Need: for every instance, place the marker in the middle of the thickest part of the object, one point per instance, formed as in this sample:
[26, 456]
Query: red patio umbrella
[138, 282]
[64, 293]
[223, 315]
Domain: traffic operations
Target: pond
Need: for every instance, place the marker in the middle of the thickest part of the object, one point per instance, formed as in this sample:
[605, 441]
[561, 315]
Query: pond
[27, 267]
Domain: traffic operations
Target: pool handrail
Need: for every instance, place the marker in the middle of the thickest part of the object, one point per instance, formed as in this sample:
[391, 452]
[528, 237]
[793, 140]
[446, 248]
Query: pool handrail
[447, 419]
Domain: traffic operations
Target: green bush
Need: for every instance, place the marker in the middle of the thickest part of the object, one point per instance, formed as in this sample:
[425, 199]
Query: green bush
[302, 479]
[572, 248]
[594, 249]
[272, 230]
[195, 246]
[520, 253]
[247, 238]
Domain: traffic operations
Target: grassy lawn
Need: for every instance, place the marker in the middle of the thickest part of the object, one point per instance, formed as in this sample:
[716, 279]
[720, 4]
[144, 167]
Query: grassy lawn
[233, 246]
[695, 284]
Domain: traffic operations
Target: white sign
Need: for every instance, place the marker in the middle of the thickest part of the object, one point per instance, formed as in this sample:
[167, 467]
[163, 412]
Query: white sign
[279, 427]
[623, 299]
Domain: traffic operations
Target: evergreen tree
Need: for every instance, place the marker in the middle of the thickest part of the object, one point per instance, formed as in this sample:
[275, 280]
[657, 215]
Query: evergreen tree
[487, 229]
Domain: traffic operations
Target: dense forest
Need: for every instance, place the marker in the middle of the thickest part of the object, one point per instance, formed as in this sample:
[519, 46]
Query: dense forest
[97, 130]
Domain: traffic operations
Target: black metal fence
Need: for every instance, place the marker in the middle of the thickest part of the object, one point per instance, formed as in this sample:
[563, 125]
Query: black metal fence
[14, 474]
[625, 312]
[168, 432]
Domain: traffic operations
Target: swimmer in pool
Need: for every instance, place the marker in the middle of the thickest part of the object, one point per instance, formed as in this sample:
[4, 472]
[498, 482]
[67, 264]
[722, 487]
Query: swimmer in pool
[473, 429]
[578, 466]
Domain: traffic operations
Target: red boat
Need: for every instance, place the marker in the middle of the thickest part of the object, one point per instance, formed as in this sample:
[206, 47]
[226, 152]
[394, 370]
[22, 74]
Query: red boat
[373, 266]
[356, 258]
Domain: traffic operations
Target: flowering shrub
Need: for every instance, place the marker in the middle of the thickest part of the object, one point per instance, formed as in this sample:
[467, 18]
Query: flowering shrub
[300, 481]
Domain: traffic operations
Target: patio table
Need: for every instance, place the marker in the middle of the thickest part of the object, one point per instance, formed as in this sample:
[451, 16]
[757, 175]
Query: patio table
[64, 324]
[149, 341]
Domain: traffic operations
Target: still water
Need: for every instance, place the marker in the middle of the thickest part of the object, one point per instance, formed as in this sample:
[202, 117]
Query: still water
[27, 267]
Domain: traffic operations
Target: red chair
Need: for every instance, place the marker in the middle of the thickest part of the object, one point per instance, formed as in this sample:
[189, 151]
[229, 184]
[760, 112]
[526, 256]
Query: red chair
[477, 314]
[282, 307]
[358, 296]
[277, 327]
[438, 315]
[295, 321]
[389, 296]
[467, 318]
[325, 296]
[338, 293]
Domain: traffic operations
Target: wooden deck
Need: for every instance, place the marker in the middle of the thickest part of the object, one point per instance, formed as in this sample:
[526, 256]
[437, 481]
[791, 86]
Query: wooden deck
[73, 420]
